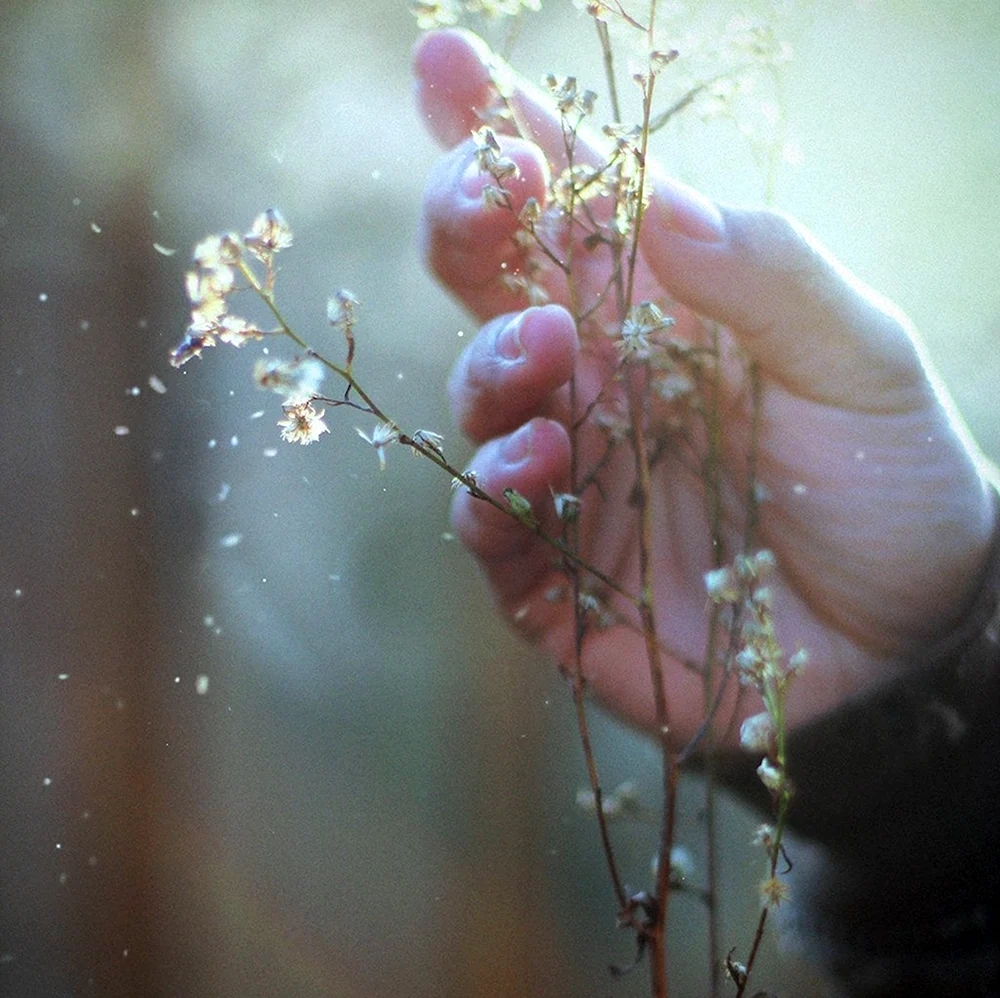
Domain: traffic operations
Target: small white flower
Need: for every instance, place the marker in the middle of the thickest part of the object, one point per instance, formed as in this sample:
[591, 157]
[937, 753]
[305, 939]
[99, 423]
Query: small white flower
[798, 661]
[217, 252]
[722, 585]
[341, 307]
[429, 439]
[770, 775]
[567, 506]
[757, 733]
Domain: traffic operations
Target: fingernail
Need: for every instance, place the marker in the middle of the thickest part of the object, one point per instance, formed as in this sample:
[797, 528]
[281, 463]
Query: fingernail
[517, 448]
[688, 212]
[508, 341]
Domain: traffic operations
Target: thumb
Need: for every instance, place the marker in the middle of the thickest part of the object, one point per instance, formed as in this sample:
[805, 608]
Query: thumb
[811, 324]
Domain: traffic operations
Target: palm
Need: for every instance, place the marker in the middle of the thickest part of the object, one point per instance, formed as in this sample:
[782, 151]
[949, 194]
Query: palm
[864, 512]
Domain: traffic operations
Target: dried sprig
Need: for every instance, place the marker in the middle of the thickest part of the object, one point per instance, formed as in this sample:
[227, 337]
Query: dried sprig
[661, 402]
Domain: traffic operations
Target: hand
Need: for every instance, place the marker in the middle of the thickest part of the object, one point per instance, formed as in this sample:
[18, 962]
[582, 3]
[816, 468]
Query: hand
[878, 512]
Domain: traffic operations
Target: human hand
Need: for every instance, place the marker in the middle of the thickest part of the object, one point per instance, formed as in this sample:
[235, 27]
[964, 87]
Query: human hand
[877, 512]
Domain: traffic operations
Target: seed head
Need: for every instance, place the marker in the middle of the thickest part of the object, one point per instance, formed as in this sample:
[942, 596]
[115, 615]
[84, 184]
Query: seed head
[773, 891]
[269, 233]
[382, 436]
[302, 423]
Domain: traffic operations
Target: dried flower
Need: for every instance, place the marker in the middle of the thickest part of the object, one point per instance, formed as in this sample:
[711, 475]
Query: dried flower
[487, 148]
[302, 423]
[523, 284]
[642, 321]
[434, 13]
[770, 775]
[191, 346]
[382, 436]
[269, 232]
[568, 96]
[621, 802]
[773, 891]
[429, 439]
[467, 479]
[798, 661]
[495, 197]
[567, 506]
[673, 386]
[236, 331]
[216, 252]
[722, 585]
[530, 213]
[757, 733]
[298, 379]
[207, 290]
[341, 308]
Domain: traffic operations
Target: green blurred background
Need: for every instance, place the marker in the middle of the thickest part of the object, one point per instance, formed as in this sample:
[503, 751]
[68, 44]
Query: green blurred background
[376, 793]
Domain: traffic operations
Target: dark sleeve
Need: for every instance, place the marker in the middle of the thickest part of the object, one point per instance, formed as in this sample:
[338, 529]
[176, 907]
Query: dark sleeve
[897, 803]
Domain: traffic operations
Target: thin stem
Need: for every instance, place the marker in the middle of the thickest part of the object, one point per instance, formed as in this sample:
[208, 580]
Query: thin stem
[609, 68]
[713, 490]
[431, 453]
[637, 395]
[571, 537]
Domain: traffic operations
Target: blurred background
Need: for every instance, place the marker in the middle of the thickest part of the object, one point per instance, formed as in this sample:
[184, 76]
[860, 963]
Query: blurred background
[260, 734]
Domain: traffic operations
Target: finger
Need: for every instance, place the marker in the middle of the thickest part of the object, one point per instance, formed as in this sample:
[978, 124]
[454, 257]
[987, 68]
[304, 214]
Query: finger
[811, 324]
[456, 86]
[531, 461]
[468, 244]
[511, 370]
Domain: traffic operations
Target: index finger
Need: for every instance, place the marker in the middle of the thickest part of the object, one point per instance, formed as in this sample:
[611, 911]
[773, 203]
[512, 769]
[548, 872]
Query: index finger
[459, 79]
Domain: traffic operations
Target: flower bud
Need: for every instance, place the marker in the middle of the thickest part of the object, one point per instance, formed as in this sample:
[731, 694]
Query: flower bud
[757, 733]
